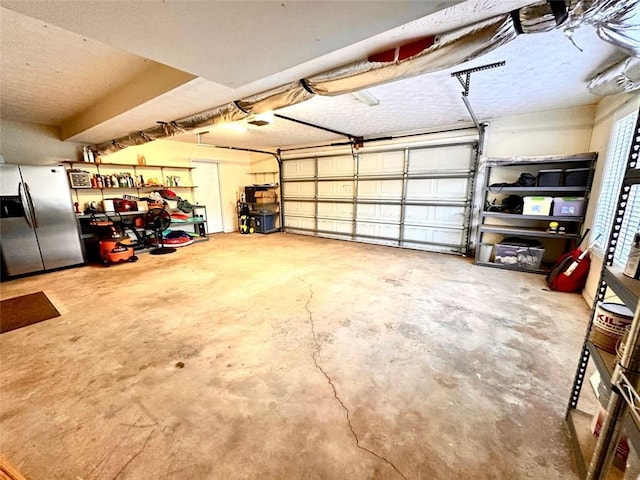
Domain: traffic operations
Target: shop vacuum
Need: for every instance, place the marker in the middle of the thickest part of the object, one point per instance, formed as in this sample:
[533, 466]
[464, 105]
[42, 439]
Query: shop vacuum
[114, 245]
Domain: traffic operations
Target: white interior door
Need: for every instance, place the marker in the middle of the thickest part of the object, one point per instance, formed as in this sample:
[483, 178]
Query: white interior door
[207, 178]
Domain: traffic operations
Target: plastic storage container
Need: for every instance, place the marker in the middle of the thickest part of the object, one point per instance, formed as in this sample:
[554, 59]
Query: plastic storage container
[265, 222]
[550, 178]
[568, 206]
[537, 205]
[518, 255]
[485, 252]
[576, 177]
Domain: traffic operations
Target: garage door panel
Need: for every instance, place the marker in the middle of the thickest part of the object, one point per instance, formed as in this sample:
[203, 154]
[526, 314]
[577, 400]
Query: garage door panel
[338, 189]
[299, 168]
[373, 212]
[444, 158]
[434, 235]
[378, 230]
[335, 210]
[381, 163]
[432, 248]
[431, 215]
[377, 241]
[300, 208]
[341, 166]
[299, 222]
[377, 189]
[337, 226]
[440, 188]
[299, 189]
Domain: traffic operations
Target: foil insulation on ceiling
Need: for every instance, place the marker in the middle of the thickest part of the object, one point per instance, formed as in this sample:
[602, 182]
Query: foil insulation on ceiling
[616, 21]
[622, 77]
[423, 56]
[448, 50]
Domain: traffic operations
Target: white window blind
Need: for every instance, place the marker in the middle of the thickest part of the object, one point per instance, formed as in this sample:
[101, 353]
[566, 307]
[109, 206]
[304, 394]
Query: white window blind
[630, 226]
[616, 163]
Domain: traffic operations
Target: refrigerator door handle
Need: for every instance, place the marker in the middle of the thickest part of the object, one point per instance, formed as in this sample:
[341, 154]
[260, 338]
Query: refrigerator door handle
[25, 204]
[32, 207]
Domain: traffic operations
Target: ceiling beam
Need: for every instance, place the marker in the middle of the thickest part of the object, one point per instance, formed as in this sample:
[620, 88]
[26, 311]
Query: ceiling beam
[153, 82]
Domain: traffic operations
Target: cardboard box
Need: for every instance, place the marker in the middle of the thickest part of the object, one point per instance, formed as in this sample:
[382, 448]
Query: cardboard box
[268, 196]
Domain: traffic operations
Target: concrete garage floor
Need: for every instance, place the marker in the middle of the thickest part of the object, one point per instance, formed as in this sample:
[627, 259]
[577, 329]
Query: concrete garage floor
[290, 357]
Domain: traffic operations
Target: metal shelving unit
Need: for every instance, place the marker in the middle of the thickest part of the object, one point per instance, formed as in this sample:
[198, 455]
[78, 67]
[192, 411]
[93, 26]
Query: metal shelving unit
[531, 226]
[106, 167]
[621, 376]
[582, 439]
[90, 237]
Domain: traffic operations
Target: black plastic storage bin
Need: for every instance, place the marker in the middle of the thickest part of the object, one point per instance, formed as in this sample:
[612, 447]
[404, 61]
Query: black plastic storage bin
[576, 177]
[550, 178]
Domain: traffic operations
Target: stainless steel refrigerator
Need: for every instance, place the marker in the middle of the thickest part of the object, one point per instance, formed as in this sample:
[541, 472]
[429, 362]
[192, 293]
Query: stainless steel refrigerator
[38, 226]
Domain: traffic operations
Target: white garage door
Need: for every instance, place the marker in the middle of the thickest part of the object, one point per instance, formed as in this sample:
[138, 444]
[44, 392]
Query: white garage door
[418, 197]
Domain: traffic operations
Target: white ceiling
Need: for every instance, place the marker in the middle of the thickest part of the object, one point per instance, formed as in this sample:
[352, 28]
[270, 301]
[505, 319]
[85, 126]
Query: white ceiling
[102, 69]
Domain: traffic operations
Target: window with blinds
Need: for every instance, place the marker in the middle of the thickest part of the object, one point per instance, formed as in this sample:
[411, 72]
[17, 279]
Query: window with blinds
[616, 163]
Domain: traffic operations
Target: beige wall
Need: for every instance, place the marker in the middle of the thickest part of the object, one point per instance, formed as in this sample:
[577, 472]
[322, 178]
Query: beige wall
[604, 118]
[30, 144]
[554, 132]
[234, 168]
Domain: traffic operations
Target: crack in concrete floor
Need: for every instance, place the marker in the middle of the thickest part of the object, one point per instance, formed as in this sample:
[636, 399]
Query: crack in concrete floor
[316, 361]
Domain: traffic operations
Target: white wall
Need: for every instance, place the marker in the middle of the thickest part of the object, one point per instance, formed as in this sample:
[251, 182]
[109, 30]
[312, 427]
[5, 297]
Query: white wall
[30, 144]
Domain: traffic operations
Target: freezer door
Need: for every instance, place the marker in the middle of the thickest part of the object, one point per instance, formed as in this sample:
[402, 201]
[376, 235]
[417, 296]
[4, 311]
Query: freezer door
[55, 221]
[18, 242]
